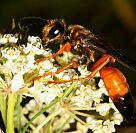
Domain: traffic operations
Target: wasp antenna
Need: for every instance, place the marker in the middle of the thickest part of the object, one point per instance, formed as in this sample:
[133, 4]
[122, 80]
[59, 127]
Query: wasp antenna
[32, 25]
[26, 22]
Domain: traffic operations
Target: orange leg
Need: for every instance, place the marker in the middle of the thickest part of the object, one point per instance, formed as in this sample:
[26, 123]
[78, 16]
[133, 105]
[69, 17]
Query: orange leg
[96, 68]
[74, 64]
[66, 47]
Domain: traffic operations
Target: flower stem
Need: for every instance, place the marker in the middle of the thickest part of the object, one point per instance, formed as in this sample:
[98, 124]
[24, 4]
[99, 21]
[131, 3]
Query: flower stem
[18, 108]
[10, 113]
[63, 124]
[3, 107]
[51, 116]
[66, 93]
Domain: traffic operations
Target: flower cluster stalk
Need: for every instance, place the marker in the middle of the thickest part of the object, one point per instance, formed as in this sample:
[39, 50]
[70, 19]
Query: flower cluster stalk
[10, 113]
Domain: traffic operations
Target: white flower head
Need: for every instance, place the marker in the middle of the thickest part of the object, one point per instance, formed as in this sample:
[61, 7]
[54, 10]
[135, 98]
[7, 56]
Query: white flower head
[36, 80]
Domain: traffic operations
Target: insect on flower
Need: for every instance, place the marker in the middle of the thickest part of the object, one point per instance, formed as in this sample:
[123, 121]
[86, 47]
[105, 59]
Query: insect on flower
[83, 44]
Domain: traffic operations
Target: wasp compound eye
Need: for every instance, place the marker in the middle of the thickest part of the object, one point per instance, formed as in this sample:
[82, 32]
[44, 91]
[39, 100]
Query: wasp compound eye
[57, 29]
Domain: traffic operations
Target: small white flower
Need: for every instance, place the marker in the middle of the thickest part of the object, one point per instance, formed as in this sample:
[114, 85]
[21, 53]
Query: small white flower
[8, 35]
[96, 95]
[13, 40]
[3, 40]
[81, 128]
[59, 75]
[63, 60]
[10, 53]
[83, 70]
[103, 108]
[8, 38]
[29, 108]
[33, 39]
[117, 118]
[46, 97]
[66, 77]
[94, 124]
[101, 83]
[17, 82]
[102, 87]
[47, 65]
[44, 94]
[108, 126]
[47, 94]
[28, 48]
[34, 49]
[24, 110]
[112, 105]
[83, 97]
[1, 131]
[32, 103]
[30, 62]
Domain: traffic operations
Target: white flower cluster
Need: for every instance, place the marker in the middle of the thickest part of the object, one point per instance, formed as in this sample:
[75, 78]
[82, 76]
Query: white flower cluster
[8, 38]
[25, 76]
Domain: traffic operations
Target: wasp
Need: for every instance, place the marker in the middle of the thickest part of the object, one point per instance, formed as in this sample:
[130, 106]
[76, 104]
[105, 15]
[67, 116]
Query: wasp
[82, 43]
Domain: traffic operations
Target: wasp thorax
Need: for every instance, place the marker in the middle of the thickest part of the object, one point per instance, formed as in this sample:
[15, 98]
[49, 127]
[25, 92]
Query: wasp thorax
[77, 33]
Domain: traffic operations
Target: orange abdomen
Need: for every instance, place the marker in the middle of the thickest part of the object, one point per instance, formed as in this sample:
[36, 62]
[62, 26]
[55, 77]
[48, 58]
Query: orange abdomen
[115, 82]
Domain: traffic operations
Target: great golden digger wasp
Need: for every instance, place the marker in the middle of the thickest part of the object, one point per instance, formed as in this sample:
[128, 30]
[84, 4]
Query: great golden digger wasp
[84, 44]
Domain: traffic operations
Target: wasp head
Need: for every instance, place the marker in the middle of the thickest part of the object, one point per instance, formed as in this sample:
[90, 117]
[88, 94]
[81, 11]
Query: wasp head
[53, 33]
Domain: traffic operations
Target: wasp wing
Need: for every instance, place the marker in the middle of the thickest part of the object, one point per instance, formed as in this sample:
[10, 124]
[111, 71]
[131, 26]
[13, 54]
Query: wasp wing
[97, 44]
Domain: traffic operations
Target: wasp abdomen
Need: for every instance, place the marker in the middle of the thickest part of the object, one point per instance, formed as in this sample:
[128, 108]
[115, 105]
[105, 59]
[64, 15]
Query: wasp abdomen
[118, 89]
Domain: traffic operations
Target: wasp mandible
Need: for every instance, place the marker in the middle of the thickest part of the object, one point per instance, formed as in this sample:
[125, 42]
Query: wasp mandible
[83, 43]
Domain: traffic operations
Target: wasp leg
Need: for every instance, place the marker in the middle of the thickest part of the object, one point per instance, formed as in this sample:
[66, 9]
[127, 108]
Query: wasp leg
[66, 47]
[43, 75]
[96, 68]
[73, 64]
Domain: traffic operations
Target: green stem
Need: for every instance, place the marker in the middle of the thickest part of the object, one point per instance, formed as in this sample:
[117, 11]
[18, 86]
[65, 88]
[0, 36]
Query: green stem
[3, 107]
[50, 130]
[18, 108]
[63, 124]
[66, 93]
[10, 113]
[51, 116]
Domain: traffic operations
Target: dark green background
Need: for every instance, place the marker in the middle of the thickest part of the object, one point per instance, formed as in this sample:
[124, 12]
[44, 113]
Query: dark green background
[100, 16]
